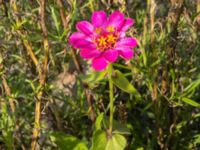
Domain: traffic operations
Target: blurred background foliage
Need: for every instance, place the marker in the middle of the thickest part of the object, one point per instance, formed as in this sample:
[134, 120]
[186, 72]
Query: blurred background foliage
[165, 71]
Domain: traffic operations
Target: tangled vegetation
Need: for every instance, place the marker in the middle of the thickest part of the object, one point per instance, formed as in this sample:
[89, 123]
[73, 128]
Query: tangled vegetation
[50, 98]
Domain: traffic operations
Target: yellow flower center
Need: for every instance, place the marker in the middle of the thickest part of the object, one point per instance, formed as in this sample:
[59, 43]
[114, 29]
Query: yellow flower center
[106, 41]
[110, 29]
[102, 41]
[111, 38]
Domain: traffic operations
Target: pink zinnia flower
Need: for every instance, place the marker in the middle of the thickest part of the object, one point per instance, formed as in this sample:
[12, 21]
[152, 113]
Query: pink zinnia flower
[104, 39]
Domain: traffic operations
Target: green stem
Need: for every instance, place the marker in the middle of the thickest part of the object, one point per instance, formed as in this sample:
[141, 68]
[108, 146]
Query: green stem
[110, 70]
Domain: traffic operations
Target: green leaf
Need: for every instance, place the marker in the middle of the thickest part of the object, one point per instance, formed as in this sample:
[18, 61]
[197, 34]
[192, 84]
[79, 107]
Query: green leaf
[120, 128]
[98, 122]
[117, 142]
[7, 123]
[190, 88]
[65, 142]
[99, 140]
[102, 142]
[55, 19]
[196, 139]
[93, 78]
[121, 82]
[140, 148]
[190, 102]
[180, 125]
[20, 24]
[31, 84]
[117, 126]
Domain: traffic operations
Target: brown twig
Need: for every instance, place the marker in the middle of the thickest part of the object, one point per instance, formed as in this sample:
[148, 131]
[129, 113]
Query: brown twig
[89, 101]
[65, 25]
[43, 76]
[198, 6]
[197, 18]
[23, 34]
[152, 20]
[76, 62]
[30, 52]
[8, 93]
[6, 87]
[62, 13]
[42, 70]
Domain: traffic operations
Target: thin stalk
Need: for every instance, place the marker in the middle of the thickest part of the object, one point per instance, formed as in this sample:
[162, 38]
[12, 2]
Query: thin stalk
[8, 93]
[5, 86]
[67, 27]
[42, 75]
[74, 57]
[198, 6]
[110, 69]
[152, 6]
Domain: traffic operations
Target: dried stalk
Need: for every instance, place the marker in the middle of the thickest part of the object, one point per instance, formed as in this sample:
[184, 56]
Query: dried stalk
[197, 19]
[198, 6]
[173, 17]
[22, 33]
[152, 22]
[42, 75]
[6, 87]
[151, 12]
[8, 93]
[76, 62]
[30, 52]
[41, 70]
[65, 25]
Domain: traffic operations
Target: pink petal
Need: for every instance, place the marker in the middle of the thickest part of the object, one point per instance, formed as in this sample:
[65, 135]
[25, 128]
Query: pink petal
[111, 55]
[98, 18]
[122, 34]
[127, 42]
[127, 23]
[99, 63]
[89, 53]
[84, 44]
[116, 19]
[85, 27]
[75, 37]
[126, 53]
